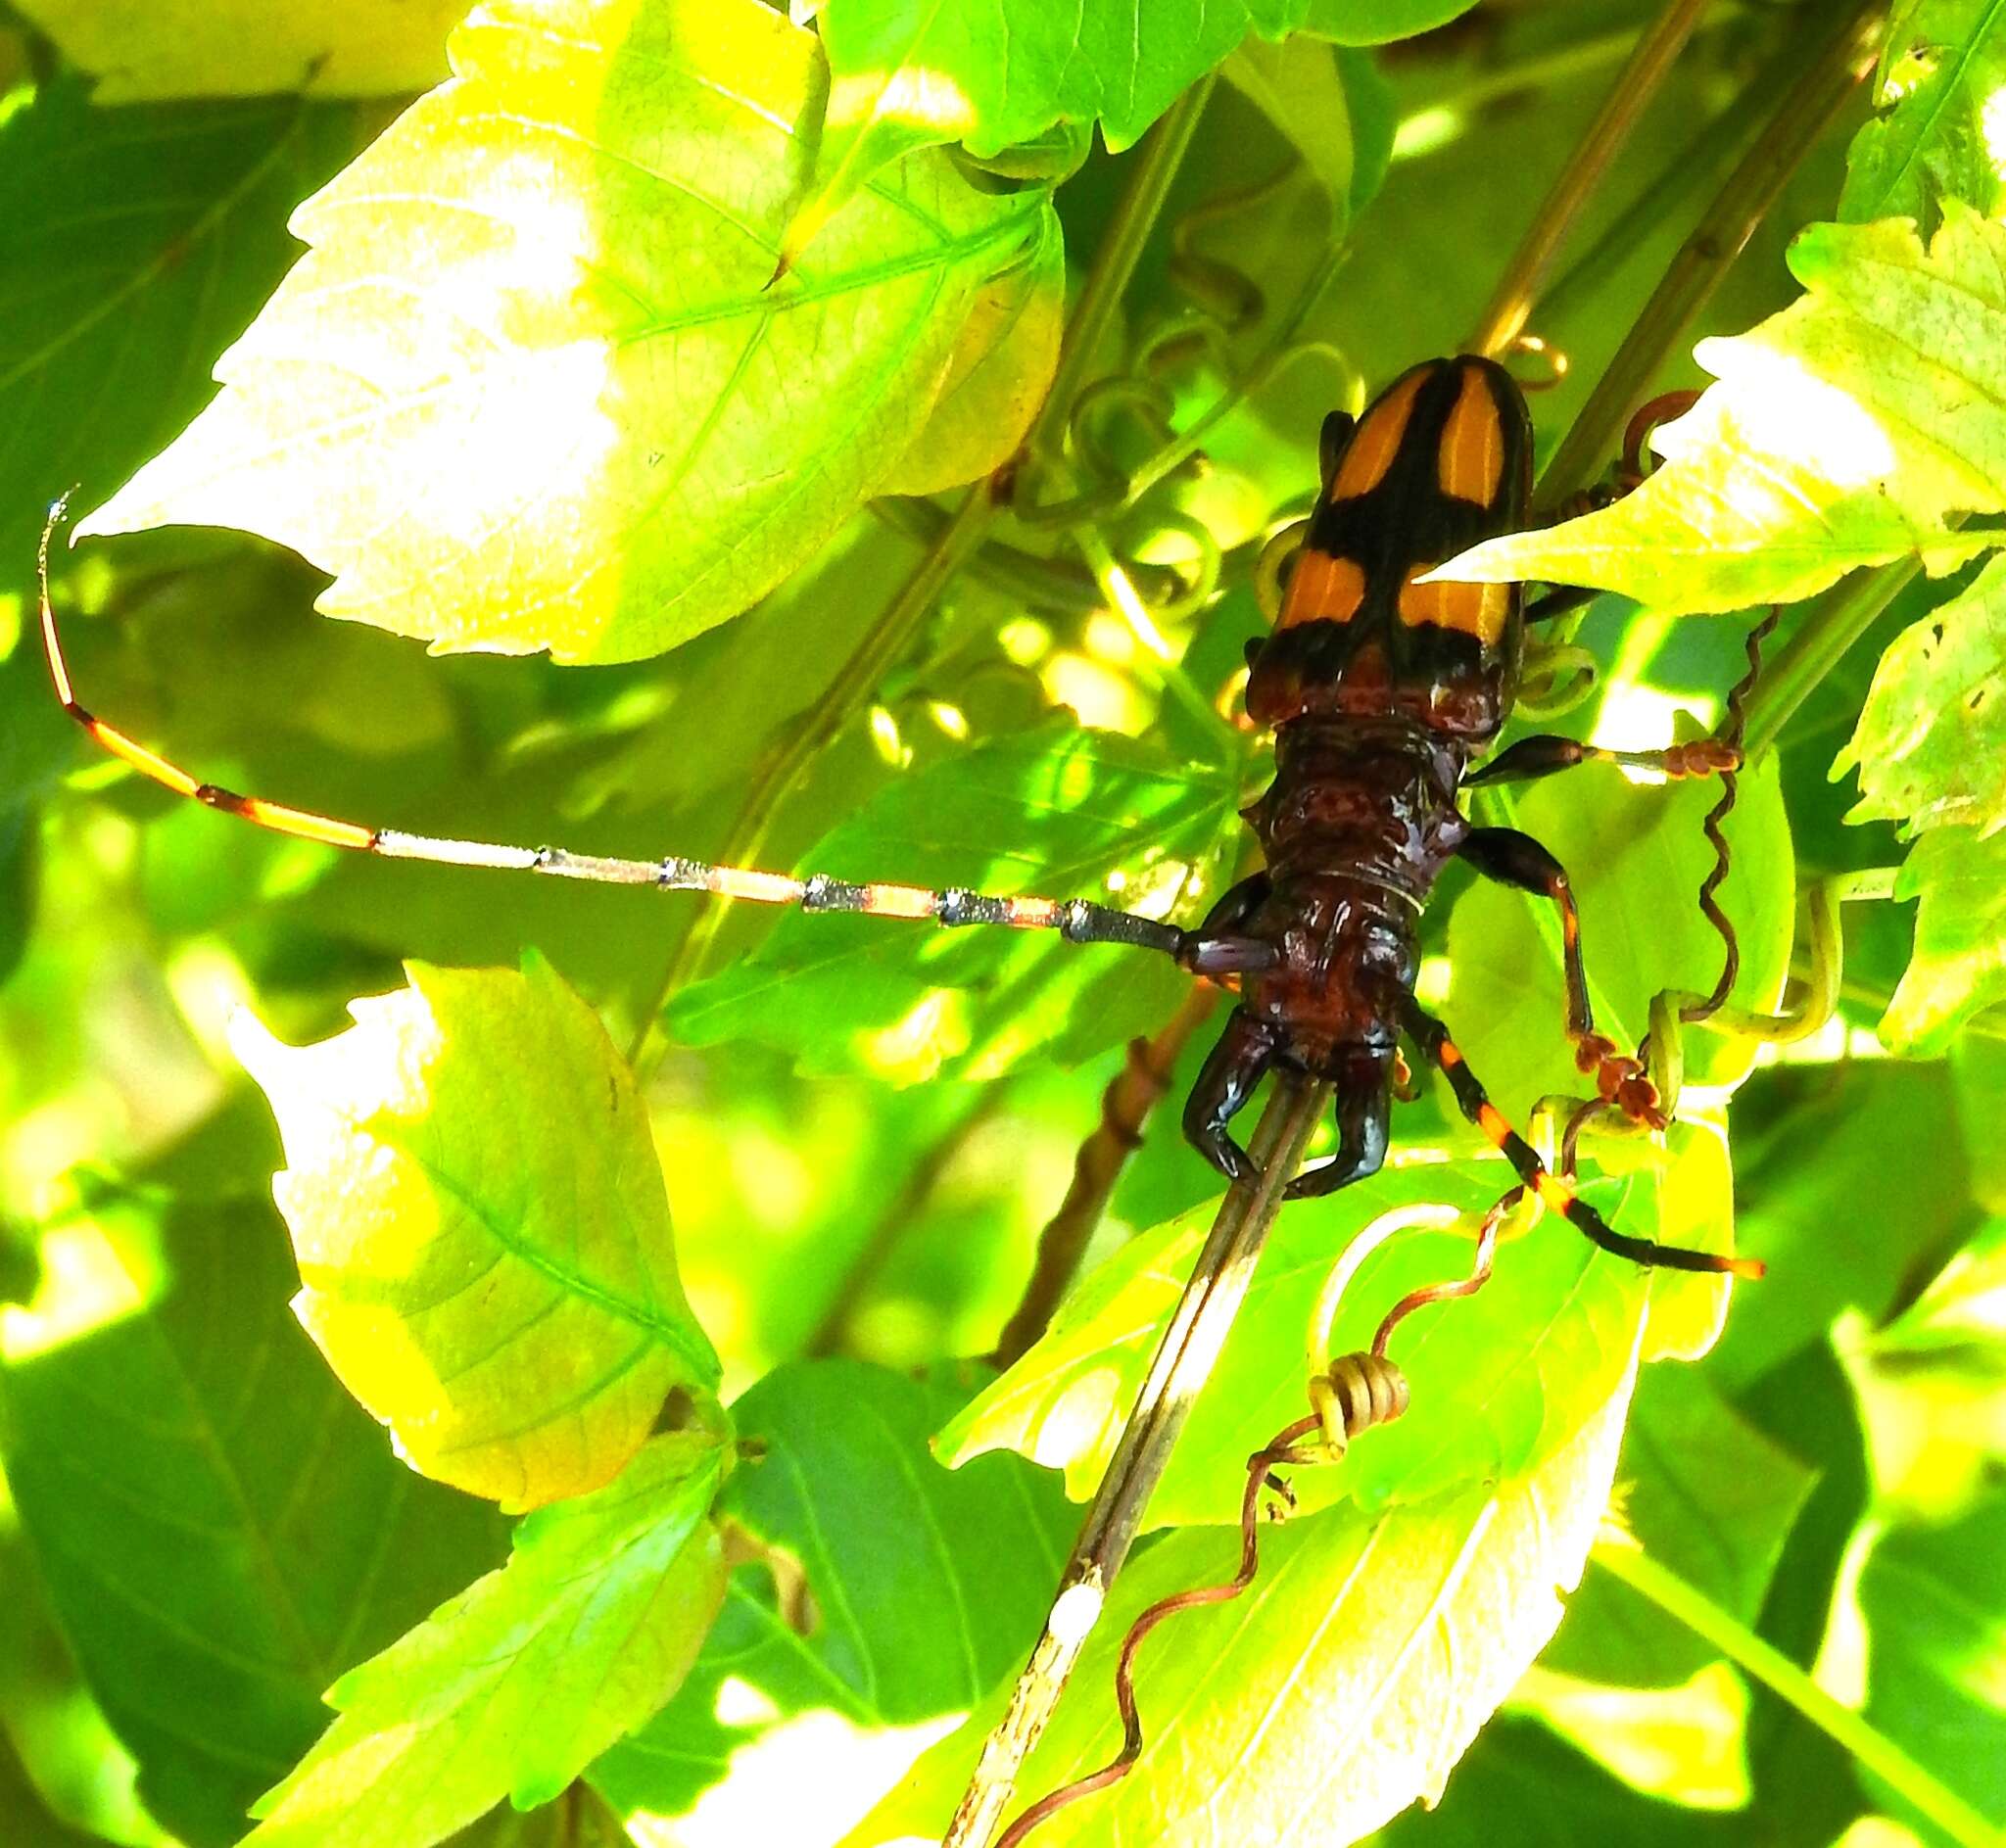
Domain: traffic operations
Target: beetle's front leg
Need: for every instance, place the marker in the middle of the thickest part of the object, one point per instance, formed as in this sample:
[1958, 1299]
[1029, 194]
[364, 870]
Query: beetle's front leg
[1232, 1071]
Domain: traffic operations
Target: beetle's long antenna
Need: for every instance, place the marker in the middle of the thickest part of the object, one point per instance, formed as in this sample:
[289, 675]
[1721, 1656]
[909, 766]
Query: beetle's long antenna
[1077, 920]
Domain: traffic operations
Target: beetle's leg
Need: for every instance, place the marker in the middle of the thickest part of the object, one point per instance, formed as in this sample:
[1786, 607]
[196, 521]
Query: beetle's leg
[1364, 1103]
[1219, 946]
[1544, 753]
[1232, 1071]
[1515, 859]
[1432, 1037]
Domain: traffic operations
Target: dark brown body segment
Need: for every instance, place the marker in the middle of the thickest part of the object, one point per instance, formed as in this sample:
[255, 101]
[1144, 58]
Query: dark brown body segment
[1379, 690]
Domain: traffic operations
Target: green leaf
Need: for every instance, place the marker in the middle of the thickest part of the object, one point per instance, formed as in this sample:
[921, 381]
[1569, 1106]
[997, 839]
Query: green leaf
[1934, 1606]
[1959, 965]
[1059, 811]
[1344, 1685]
[514, 1687]
[922, 1589]
[918, 73]
[135, 245]
[1499, 1381]
[1636, 855]
[221, 1531]
[31, 1822]
[246, 48]
[1931, 746]
[1379, 21]
[482, 1230]
[1298, 87]
[1941, 68]
[995, 381]
[1708, 1496]
[535, 335]
[1847, 431]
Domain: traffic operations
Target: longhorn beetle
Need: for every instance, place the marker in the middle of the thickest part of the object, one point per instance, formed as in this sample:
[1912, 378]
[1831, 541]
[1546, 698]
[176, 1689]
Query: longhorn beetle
[1380, 689]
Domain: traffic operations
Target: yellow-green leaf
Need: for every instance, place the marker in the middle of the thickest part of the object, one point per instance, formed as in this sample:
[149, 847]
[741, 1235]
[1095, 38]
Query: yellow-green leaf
[1959, 965]
[514, 1687]
[145, 50]
[1344, 1685]
[1931, 744]
[482, 1230]
[530, 388]
[1851, 429]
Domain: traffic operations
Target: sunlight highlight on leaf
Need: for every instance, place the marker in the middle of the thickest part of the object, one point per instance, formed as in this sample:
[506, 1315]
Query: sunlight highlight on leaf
[482, 1230]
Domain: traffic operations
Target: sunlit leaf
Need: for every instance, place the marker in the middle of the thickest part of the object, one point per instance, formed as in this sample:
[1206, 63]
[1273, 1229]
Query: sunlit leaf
[482, 1230]
[995, 379]
[220, 1530]
[1943, 68]
[135, 245]
[914, 74]
[1641, 853]
[1297, 87]
[898, 1594]
[534, 336]
[1342, 1687]
[1058, 810]
[142, 50]
[514, 1687]
[1499, 1381]
[1959, 967]
[1935, 1606]
[29, 1820]
[1848, 430]
[1931, 748]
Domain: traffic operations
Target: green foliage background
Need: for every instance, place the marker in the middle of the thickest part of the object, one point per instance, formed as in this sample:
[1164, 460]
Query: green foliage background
[654, 367]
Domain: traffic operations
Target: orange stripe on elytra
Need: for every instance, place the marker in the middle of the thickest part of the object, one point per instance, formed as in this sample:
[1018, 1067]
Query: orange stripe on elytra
[1377, 440]
[1470, 462]
[1469, 609]
[1322, 588]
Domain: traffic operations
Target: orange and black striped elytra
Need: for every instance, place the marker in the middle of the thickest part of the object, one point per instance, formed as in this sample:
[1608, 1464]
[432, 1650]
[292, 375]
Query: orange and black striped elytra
[1381, 690]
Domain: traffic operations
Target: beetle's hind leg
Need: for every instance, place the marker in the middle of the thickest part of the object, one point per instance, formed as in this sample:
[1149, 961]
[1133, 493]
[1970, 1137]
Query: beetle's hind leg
[1231, 1073]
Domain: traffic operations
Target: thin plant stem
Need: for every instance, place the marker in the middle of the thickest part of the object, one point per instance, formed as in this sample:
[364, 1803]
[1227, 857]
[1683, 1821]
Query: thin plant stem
[1836, 620]
[1510, 306]
[1831, 72]
[1182, 1362]
[1870, 1747]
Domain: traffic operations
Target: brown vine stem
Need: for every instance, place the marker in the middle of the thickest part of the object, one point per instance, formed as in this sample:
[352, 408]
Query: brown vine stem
[1182, 1362]
[1155, 168]
[1831, 72]
[1510, 306]
[1131, 1094]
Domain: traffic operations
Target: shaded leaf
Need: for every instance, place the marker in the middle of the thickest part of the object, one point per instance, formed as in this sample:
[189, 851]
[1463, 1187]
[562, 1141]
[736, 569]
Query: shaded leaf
[534, 336]
[221, 1532]
[1341, 1688]
[1847, 431]
[909, 1592]
[1931, 744]
[144, 50]
[1935, 1606]
[1706, 1496]
[1499, 1381]
[29, 1822]
[917, 73]
[1636, 855]
[135, 245]
[1058, 810]
[1379, 21]
[1298, 87]
[1941, 68]
[1959, 965]
[515, 1686]
[482, 1229]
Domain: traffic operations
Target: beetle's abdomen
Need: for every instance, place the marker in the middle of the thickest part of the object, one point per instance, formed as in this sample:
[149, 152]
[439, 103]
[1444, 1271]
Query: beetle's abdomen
[1441, 459]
